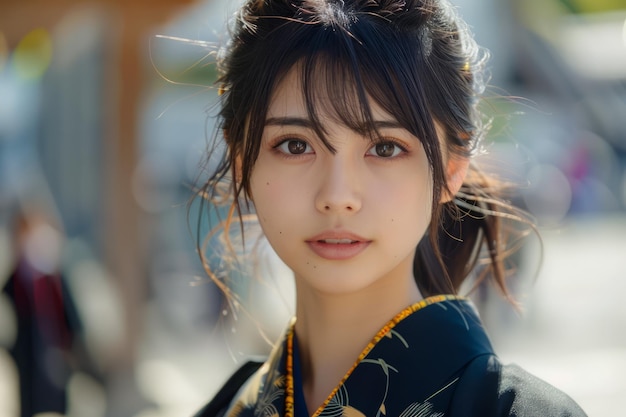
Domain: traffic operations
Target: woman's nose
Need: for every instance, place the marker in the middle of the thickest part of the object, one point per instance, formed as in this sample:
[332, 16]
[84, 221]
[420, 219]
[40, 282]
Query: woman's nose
[340, 187]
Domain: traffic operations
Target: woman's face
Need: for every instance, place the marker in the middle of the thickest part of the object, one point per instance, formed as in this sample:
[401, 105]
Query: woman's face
[344, 221]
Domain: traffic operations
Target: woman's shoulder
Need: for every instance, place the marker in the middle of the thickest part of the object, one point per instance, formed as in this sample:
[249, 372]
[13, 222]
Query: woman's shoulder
[490, 388]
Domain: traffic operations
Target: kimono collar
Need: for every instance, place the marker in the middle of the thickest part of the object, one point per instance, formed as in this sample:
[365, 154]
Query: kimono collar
[414, 358]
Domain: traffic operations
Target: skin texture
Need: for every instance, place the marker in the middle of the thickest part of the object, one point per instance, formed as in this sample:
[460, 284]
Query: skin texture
[376, 196]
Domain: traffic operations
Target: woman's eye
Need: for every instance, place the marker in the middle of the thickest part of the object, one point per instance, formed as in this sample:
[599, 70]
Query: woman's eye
[385, 150]
[294, 147]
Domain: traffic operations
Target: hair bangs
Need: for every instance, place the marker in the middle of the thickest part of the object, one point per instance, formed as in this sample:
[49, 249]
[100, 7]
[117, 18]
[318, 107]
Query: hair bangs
[333, 88]
[344, 75]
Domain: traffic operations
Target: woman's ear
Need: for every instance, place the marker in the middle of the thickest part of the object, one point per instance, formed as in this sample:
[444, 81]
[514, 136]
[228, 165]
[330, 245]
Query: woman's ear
[456, 171]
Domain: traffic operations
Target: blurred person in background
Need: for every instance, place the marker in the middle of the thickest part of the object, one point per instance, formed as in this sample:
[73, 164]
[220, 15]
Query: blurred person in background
[47, 320]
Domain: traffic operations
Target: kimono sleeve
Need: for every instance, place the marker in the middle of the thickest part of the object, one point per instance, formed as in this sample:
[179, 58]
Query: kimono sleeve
[488, 388]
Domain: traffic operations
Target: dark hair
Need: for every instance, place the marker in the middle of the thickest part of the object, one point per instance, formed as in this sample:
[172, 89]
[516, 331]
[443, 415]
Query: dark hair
[415, 59]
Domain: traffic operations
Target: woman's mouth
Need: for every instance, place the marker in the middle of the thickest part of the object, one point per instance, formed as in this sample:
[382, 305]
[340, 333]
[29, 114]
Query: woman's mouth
[338, 241]
[337, 246]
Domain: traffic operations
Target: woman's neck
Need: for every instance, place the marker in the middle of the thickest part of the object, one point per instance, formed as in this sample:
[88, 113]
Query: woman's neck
[334, 329]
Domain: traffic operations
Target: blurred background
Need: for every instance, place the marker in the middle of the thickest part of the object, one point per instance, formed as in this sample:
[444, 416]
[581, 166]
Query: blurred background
[105, 109]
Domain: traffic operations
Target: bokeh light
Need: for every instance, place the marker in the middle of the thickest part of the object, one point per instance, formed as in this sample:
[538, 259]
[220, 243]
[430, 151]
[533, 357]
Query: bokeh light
[33, 54]
[549, 196]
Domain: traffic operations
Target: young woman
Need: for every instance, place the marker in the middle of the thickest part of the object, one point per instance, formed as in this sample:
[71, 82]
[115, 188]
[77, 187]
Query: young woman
[349, 128]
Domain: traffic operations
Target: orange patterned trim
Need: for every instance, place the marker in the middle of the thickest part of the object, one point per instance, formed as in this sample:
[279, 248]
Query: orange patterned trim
[289, 389]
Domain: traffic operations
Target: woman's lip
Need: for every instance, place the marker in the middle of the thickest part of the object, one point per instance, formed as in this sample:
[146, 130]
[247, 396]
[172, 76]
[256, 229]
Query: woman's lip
[337, 251]
[337, 235]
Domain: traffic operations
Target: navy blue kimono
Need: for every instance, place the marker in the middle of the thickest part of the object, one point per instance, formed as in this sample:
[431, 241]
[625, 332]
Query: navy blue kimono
[433, 359]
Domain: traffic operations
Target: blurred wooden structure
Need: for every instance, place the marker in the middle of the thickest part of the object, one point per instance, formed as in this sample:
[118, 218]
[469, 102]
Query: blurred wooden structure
[129, 26]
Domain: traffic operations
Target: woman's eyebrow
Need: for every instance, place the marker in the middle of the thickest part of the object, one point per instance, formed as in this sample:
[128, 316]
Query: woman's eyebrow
[306, 123]
[387, 124]
[289, 121]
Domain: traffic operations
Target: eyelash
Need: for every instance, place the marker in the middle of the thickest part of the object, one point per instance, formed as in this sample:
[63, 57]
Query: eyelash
[403, 150]
[285, 140]
[276, 147]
